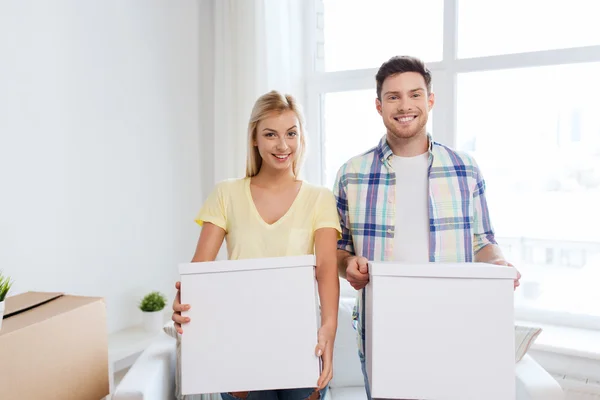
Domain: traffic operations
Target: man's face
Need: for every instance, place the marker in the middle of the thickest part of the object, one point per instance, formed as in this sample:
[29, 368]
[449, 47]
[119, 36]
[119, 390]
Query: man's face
[405, 104]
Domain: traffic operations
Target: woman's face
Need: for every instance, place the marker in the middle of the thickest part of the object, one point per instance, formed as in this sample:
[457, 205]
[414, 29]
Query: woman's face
[278, 140]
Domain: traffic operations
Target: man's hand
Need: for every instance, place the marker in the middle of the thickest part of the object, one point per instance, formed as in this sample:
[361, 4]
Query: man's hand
[504, 262]
[357, 272]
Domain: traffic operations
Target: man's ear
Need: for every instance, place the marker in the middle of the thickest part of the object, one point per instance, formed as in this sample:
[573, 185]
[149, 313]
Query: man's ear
[431, 100]
[378, 105]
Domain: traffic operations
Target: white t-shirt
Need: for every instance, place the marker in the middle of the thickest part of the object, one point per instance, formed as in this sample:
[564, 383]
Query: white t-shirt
[411, 239]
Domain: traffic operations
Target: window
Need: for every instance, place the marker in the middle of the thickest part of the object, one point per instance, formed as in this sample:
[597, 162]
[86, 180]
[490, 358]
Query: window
[522, 100]
[362, 34]
[352, 126]
[514, 26]
[541, 159]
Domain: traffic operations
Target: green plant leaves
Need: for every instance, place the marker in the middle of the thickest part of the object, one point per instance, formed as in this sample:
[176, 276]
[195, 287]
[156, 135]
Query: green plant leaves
[153, 301]
[5, 285]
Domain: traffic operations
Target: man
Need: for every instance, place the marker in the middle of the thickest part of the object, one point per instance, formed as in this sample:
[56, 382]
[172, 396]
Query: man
[409, 198]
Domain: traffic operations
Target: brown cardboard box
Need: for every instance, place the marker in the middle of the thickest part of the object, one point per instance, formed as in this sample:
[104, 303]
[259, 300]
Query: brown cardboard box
[53, 346]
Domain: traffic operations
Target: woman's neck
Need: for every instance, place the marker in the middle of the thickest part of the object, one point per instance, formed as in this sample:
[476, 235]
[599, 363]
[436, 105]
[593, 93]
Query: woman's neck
[272, 178]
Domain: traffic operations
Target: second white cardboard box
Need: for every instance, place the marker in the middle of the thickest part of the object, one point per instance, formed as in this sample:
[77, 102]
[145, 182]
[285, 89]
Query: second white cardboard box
[254, 325]
[440, 331]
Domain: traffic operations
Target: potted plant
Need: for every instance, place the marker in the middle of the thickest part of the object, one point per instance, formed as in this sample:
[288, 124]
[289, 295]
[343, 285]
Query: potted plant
[5, 284]
[152, 306]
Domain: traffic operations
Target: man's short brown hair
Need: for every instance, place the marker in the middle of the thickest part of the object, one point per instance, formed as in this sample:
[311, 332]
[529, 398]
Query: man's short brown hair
[398, 65]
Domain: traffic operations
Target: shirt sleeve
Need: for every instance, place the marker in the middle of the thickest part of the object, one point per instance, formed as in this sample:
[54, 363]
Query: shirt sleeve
[326, 215]
[214, 210]
[483, 231]
[340, 194]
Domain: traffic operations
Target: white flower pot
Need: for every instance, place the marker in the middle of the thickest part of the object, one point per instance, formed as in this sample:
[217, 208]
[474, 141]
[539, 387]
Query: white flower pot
[153, 321]
[1, 312]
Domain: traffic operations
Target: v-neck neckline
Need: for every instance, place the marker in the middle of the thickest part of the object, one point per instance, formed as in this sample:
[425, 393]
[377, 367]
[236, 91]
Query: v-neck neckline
[283, 217]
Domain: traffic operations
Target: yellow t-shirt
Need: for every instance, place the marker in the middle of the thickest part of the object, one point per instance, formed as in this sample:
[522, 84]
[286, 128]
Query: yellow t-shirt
[231, 207]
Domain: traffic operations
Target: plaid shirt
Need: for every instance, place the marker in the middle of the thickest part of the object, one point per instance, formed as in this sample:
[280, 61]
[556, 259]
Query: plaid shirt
[365, 190]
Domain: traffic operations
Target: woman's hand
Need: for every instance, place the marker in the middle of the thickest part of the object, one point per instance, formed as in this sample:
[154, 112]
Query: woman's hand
[178, 308]
[324, 349]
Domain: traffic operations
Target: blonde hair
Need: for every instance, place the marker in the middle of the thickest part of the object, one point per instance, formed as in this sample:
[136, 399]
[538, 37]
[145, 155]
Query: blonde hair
[273, 101]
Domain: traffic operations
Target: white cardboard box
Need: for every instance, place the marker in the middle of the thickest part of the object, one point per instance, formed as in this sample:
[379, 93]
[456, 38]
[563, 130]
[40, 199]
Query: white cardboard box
[254, 325]
[440, 331]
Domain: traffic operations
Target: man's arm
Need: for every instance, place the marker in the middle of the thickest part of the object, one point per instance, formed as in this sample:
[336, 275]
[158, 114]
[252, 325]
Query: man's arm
[483, 232]
[342, 262]
[354, 269]
[485, 247]
[345, 244]
[491, 253]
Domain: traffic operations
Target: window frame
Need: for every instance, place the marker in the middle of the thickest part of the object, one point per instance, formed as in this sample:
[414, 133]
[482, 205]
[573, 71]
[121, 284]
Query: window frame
[444, 78]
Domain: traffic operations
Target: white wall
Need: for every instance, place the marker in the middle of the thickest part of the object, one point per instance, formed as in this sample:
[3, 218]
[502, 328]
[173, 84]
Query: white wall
[99, 147]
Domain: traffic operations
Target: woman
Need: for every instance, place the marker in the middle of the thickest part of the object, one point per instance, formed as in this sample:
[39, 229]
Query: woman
[272, 213]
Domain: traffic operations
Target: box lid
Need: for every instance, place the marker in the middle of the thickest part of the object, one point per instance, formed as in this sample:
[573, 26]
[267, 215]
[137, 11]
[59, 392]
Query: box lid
[30, 308]
[247, 264]
[26, 301]
[442, 270]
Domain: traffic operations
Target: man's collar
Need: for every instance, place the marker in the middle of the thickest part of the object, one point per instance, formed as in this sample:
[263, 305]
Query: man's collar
[385, 152]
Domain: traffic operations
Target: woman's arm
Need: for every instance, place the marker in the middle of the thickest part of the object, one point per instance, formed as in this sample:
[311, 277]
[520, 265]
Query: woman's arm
[209, 243]
[327, 274]
[329, 294]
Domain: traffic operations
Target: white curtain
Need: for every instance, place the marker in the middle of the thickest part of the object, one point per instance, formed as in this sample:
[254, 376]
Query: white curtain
[248, 47]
